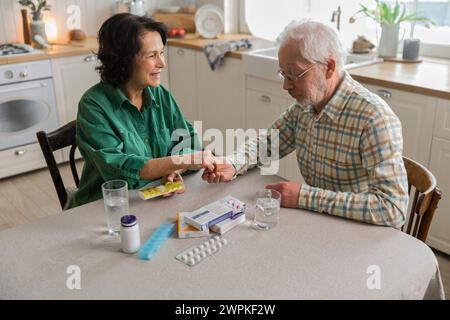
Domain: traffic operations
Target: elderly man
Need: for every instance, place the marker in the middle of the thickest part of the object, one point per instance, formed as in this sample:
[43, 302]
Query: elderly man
[348, 141]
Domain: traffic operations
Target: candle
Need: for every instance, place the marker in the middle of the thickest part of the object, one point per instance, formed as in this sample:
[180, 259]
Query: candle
[411, 49]
[51, 30]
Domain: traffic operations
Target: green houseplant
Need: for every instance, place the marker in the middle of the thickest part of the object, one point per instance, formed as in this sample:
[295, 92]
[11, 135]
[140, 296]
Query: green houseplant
[36, 7]
[389, 16]
[386, 13]
[37, 25]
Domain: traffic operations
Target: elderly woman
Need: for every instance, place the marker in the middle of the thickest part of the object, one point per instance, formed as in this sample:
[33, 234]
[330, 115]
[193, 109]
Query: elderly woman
[128, 125]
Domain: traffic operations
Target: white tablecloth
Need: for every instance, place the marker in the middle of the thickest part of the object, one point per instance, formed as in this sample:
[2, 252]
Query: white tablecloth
[307, 256]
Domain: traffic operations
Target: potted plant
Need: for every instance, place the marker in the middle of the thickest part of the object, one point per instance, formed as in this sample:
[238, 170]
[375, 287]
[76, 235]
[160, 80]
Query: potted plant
[37, 25]
[36, 7]
[389, 16]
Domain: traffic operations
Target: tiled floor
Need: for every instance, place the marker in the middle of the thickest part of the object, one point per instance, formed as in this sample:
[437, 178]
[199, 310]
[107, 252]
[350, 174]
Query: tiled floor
[18, 205]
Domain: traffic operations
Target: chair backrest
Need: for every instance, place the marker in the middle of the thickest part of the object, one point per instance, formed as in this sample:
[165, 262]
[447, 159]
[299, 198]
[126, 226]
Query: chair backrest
[424, 195]
[50, 142]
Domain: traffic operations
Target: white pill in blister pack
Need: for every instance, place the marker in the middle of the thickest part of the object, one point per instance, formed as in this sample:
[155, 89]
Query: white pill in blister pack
[196, 254]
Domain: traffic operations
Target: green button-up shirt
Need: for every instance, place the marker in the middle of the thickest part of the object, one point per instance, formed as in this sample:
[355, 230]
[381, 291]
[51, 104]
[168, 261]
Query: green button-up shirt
[116, 139]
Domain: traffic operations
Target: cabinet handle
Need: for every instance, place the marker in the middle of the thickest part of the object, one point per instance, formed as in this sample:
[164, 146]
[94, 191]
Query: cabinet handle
[266, 99]
[20, 152]
[385, 94]
[180, 52]
[90, 58]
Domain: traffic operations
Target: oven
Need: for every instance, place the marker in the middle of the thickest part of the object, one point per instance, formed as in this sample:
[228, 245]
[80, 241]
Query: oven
[27, 102]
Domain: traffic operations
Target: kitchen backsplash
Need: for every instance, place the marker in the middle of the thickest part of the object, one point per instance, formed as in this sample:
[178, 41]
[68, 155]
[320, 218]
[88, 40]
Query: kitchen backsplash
[92, 15]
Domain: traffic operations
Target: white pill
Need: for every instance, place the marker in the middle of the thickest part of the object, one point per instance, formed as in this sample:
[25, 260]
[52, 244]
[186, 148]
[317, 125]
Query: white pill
[219, 244]
[190, 254]
[203, 254]
[202, 246]
[208, 251]
[224, 241]
[217, 238]
[196, 250]
[214, 247]
[211, 241]
[191, 261]
[198, 258]
[184, 257]
[207, 244]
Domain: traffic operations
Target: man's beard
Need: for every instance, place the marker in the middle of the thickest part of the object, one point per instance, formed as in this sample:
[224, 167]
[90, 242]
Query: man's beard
[320, 90]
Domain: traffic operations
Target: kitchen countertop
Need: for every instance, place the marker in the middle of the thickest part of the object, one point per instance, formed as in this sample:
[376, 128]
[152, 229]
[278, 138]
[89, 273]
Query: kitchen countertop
[88, 46]
[430, 77]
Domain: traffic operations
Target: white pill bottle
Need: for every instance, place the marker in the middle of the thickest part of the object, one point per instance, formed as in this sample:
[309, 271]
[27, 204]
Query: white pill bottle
[129, 234]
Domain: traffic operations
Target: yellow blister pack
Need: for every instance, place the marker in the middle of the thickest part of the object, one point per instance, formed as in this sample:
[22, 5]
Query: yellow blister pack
[154, 192]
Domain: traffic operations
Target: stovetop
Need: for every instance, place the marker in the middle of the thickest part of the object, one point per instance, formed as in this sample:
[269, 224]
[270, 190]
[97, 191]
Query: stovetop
[13, 49]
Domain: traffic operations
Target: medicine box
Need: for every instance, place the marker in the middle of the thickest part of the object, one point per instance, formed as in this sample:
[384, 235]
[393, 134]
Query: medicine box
[213, 213]
[187, 231]
[228, 224]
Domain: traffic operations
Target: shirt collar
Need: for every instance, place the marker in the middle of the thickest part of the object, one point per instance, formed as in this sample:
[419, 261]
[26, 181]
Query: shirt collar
[118, 98]
[336, 104]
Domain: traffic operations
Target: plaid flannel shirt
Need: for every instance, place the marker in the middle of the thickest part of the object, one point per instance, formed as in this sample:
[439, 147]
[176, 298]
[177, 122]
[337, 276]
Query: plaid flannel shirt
[350, 156]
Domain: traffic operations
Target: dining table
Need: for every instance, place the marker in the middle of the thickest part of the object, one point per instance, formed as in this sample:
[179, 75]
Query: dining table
[307, 255]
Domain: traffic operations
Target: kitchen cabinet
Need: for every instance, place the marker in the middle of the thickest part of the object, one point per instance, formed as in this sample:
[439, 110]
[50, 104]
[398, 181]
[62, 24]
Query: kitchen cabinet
[22, 159]
[183, 80]
[439, 235]
[213, 97]
[265, 102]
[72, 76]
[220, 92]
[416, 113]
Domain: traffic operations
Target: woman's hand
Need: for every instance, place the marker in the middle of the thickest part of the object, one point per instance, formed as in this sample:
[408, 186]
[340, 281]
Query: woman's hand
[223, 172]
[204, 159]
[174, 176]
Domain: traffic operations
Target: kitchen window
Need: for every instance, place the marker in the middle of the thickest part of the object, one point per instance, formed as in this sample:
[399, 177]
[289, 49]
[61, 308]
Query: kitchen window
[266, 19]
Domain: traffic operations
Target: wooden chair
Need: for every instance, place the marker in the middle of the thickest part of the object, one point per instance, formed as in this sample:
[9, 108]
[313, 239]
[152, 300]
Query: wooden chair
[425, 197]
[50, 142]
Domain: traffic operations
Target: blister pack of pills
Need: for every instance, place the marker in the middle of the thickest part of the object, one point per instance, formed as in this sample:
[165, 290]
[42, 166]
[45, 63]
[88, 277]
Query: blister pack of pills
[154, 192]
[196, 254]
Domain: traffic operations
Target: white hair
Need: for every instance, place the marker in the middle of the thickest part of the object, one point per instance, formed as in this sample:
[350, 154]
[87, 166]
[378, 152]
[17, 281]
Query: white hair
[317, 42]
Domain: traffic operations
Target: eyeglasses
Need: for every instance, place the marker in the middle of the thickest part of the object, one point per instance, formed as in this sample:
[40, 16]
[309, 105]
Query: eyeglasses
[284, 76]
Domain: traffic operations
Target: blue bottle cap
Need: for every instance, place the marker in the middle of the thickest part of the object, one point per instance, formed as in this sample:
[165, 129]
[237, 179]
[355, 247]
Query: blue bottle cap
[128, 220]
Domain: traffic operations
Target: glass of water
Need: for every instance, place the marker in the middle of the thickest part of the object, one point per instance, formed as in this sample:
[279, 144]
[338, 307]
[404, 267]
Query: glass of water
[267, 208]
[115, 198]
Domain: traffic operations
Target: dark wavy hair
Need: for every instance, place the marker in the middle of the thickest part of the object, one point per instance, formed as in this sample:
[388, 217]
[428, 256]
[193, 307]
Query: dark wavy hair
[119, 43]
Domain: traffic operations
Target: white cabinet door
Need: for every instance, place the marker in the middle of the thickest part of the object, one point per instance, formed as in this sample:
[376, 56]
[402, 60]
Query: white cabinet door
[183, 80]
[72, 76]
[265, 102]
[220, 94]
[416, 113]
[439, 235]
[442, 122]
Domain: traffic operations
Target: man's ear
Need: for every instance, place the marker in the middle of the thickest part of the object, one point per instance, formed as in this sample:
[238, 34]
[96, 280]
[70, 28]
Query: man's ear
[331, 68]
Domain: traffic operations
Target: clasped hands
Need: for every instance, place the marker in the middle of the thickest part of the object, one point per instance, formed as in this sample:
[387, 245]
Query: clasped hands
[224, 171]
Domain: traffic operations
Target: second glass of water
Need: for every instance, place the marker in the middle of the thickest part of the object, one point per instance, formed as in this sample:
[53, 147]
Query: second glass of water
[267, 209]
[115, 198]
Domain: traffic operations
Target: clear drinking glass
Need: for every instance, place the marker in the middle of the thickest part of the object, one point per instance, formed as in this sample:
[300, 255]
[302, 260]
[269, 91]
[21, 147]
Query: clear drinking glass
[267, 208]
[115, 198]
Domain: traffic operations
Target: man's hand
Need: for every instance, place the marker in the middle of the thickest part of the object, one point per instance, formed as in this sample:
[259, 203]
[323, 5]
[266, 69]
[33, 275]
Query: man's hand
[199, 160]
[223, 172]
[174, 176]
[290, 192]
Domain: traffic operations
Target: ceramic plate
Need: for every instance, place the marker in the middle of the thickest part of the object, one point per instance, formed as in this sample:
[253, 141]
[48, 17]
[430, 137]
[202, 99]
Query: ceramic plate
[209, 21]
